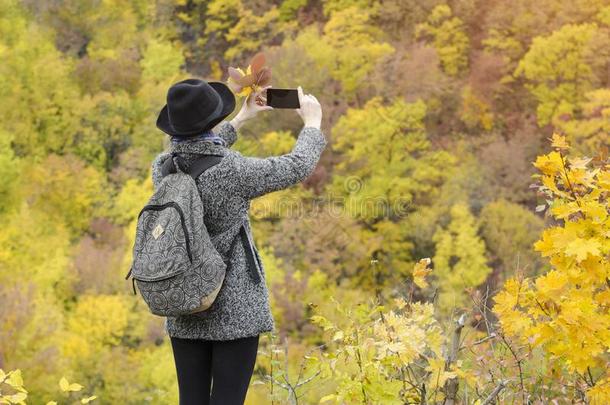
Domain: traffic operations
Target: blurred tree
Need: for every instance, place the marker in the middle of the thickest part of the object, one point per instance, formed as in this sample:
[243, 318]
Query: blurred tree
[331, 6]
[97, 259]
[10, 168]
[459, 262]
[244, 30]
[65, 188]
[289, 8]
[563, 66]
[589, 131]
[40, 101]
[400, 17]
[252, 31]
[349, 47]
[475, 113]
[512, 24]
[449, 38]
[509, 231]
[421, 65]
[92, 73]
[505, 164]
[387, 169]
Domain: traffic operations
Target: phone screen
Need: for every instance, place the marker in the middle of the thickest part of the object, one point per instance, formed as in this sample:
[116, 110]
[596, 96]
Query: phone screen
[283, 98]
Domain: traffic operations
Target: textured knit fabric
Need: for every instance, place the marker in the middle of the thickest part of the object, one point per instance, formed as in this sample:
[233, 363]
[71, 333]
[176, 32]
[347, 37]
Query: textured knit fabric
[205, 136]
[241, 308]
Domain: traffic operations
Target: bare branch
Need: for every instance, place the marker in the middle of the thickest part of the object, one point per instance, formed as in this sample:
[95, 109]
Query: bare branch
[492, 397]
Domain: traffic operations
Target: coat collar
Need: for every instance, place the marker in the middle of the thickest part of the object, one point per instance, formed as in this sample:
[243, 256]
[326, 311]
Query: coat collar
[198, 147]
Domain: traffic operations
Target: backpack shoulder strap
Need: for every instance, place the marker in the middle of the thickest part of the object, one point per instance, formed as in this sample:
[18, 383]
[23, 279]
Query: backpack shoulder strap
[202, 164]
[195, 169]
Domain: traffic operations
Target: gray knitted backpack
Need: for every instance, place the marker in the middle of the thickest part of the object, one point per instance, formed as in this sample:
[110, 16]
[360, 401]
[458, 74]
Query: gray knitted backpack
[177, 269]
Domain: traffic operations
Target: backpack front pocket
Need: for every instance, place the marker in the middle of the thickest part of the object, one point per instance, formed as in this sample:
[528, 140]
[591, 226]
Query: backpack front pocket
[162, 247]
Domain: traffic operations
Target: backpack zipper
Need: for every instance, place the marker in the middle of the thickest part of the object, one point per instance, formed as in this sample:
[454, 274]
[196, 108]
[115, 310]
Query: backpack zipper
[160, 207]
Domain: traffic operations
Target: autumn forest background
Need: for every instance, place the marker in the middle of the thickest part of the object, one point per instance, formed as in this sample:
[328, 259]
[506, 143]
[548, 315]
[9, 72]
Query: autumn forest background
[451, 247]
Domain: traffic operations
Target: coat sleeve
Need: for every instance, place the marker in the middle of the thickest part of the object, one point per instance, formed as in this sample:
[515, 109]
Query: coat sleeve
[259, 176]
[227, 132]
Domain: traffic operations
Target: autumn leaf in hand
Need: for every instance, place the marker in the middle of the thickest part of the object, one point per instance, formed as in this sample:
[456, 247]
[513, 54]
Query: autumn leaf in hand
[255, 76]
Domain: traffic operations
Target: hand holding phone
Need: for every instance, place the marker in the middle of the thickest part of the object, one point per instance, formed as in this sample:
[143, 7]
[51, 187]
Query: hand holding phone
[306, 105]
[310, 110]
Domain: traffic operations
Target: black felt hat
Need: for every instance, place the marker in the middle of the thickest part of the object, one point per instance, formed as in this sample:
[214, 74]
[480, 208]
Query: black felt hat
[195, 106]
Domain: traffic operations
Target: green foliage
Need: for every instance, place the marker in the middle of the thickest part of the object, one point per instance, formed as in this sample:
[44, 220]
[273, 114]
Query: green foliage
[459, 262]
[448, 37]
[349, 47]
[509, 231]
[65, 188]
[386, 149]
[39, 99]
[386, 169]
[562, 67]
[289, 8]
[331, 6]
[392, 353]
[244, 30]
[161, 60]
[589, 131]
[9, 172]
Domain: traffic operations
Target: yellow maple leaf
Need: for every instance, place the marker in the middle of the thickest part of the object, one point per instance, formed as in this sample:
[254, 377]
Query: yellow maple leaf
[579, 163]
[420, 271]
[582, 247]
[558, 141]
[549, 164]
[551, 281]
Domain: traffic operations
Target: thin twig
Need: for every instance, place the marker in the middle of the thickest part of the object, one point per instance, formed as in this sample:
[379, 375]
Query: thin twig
[492, 397]
[481, 341]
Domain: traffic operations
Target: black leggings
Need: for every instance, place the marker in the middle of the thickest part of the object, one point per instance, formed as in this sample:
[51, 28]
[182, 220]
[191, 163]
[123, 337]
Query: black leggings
[228, 363]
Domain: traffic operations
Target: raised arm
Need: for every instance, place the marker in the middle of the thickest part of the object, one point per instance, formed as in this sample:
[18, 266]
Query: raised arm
[259, 176]
[227, 132]
[251, 106]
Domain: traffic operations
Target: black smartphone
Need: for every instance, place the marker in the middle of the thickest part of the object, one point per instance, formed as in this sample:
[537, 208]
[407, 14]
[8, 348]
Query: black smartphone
[283, 98]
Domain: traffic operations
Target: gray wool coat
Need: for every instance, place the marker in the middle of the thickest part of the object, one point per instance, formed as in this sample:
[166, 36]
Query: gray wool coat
[241, 308]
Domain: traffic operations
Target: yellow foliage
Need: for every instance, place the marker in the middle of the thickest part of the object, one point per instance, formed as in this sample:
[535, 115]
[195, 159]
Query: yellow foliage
[475, 112]
[385, 354]
[65, 187]
[448, 37]
[420, 272]
[459, 261]
[97, 320]
[349, 48]
[566, 311]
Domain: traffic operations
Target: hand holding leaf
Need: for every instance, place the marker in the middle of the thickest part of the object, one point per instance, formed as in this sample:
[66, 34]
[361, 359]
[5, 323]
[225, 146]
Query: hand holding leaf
[255, 77]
